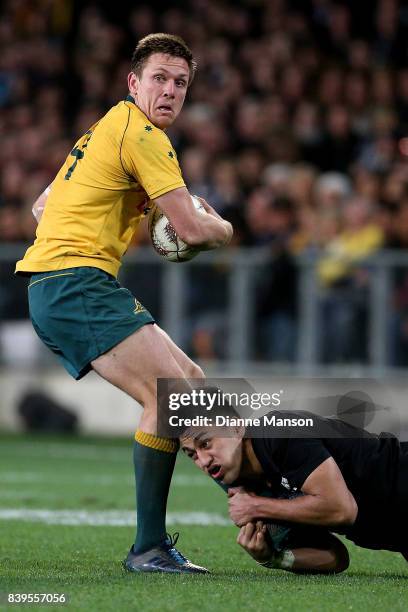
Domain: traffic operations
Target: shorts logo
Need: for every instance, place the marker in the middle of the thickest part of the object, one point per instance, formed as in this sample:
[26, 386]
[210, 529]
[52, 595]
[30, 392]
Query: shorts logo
[139, 307]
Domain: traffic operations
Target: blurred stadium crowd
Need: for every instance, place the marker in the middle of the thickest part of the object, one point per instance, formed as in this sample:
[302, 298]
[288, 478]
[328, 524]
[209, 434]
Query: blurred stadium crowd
[295, 129]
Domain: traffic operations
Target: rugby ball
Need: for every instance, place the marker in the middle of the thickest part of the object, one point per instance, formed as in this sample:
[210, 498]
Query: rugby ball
[164, 238]
[280, 531]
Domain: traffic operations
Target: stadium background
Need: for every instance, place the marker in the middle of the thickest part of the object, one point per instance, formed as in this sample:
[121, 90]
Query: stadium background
[296, 130]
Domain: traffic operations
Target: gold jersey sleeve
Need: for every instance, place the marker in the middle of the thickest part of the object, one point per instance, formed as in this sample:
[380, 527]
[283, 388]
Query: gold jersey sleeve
[98, 197]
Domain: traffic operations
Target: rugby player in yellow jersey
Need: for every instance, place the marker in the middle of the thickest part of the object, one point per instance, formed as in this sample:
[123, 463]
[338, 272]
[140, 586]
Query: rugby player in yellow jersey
[87, 218]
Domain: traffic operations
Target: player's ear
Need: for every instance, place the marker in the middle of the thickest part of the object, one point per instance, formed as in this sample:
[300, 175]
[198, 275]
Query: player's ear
[133, 83]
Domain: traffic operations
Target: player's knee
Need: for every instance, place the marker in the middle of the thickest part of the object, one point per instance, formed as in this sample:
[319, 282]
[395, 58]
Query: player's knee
[194, 371]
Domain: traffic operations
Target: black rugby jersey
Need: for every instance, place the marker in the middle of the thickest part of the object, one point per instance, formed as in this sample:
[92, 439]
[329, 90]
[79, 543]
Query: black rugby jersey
[374, 467]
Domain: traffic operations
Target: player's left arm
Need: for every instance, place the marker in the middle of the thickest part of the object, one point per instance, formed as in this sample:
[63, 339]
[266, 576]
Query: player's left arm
[39, 204]
[327, 501]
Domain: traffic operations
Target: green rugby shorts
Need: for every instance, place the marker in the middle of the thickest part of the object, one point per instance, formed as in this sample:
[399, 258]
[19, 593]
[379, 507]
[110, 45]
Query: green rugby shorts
[80, 313]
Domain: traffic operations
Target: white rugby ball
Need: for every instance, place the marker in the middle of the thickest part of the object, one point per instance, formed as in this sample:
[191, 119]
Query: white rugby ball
[164, 238]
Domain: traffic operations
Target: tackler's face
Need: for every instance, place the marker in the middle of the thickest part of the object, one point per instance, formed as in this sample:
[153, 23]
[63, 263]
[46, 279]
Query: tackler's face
[220, 458]
[160, 90]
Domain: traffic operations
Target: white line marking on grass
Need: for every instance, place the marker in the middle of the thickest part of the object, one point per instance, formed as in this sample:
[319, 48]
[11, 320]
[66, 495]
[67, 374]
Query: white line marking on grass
[18, 494]
[10, 477]
[69, 451]
[178, 480]
[106, 518]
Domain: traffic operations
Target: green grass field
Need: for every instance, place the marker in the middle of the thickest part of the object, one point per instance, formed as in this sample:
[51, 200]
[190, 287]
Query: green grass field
[66, 523]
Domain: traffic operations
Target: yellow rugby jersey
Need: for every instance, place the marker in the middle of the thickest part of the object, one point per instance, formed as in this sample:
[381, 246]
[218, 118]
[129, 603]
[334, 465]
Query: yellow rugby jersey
[97, 199]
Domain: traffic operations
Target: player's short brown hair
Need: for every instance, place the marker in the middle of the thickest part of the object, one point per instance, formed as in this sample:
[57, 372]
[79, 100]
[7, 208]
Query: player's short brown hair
[168, 44]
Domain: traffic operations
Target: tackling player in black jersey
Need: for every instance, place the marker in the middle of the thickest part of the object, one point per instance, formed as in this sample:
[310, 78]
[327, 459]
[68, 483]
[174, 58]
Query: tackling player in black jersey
[352, 482]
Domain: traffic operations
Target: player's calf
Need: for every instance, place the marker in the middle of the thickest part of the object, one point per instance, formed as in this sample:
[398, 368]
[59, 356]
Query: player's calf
[332, 560]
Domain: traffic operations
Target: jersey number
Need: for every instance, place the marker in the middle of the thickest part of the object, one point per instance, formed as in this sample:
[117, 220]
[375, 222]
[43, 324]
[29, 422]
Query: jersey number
[78, 153]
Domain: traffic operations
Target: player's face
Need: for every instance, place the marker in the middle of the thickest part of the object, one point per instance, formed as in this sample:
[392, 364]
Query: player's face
[161, 89]
[220, 458]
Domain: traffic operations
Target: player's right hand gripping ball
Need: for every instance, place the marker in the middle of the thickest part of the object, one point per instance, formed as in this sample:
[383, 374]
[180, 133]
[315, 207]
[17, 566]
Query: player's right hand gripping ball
[164, 238]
